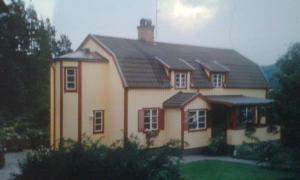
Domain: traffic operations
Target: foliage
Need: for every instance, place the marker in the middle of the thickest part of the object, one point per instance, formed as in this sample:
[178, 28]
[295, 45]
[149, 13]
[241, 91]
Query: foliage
[247, 151]
[27, 43]
[2, 157]
[276, 155]
[95, 161]
[18, 135]
[269, 72]
[216, 170]
[217, 144]
[287, 95]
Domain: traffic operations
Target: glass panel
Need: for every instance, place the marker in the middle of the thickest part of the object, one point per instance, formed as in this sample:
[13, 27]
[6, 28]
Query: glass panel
[71, 78]
[154, 126]
[154, 119]
[147, 113]
[98, 121]
[154, 112]
[201, 125]
[98, 114]
[201, 113]
[70, 71]
[192, 120]
[147, 119]
[98, 127]
[71, 85]
[147, 126]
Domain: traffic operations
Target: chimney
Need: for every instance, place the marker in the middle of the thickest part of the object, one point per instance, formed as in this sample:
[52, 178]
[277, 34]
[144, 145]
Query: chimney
[146, 30]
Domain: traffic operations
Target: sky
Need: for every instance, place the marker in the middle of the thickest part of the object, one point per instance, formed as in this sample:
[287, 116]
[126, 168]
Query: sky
[261, 30]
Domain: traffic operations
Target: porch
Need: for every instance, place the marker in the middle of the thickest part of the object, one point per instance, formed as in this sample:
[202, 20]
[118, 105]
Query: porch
[242, 119]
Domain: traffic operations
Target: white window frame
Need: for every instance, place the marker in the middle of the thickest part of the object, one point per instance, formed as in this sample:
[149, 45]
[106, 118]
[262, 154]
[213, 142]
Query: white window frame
[248, 110]
[181, 81]
[153, 119]
[217, 80]
[101, 123]
[74, 75]
[197, 118]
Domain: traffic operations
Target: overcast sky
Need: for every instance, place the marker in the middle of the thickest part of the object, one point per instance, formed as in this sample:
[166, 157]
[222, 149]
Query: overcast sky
[262, 30]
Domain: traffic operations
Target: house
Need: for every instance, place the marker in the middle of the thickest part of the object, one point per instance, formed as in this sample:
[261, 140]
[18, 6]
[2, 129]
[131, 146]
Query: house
[111, 88]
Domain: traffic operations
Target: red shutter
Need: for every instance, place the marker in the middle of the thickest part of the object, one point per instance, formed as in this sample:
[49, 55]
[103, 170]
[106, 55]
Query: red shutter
[161, 119]
[186, 121]
[141, 120]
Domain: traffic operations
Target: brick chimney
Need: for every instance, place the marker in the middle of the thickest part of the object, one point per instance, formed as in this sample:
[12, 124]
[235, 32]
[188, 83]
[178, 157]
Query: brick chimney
[146, 30]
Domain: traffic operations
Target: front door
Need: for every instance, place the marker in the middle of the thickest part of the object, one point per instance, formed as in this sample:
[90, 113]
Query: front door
[219, 119]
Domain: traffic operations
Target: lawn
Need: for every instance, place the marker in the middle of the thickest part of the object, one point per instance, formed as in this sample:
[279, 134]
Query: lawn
[213, 170]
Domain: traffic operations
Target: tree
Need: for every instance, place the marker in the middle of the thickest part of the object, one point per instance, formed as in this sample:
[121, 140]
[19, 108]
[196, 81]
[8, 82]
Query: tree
[287, 95]
[27, 43]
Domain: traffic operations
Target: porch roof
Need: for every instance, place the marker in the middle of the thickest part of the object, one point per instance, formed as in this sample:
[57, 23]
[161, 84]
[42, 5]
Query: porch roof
[180, 99]
[238, 100]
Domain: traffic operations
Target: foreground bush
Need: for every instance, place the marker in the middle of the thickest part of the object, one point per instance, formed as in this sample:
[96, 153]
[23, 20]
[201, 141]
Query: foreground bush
[92, 161]
[271, 153]
[278, 156]
[2, 157]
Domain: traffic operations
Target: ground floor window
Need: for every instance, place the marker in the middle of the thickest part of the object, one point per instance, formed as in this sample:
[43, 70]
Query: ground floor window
[150, 119]
[98, 121]
[197, 119]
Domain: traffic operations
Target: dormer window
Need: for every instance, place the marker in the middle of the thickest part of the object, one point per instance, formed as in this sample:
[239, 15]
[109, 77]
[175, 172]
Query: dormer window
[180, 80]
[217, 80]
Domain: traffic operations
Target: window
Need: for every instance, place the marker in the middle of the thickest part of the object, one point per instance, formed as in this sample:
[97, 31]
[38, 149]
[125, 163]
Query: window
[248, 115]
[70, 79]
[217, 80]
[98, 121]
[180, 80]
[197, 119]
[150, 119]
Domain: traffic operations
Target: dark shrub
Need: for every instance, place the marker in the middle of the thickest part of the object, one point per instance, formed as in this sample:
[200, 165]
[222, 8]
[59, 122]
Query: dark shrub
[276, 155]
[2, 157]
[217, 145]
[91, 161]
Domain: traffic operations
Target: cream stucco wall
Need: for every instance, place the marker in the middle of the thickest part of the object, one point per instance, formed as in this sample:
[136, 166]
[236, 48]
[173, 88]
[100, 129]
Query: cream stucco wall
[237, 137]
[94, 97]
[195, 139]
[114, 127]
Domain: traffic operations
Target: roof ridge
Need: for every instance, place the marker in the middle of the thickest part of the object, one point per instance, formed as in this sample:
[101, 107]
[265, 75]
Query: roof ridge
[166, 43]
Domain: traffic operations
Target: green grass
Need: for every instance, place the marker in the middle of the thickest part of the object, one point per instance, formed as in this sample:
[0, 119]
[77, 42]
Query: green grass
[213, 170]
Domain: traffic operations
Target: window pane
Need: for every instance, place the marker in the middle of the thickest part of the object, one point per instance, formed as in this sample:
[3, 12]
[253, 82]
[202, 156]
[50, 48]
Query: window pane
[154, 112]
[201, 125]
[147, 119]
[70, 71]
[147, 126]
[98, 114]
[71, 85]
[147, 113]
[71, 78]
[98, 127]
[98, 121]
[154, 126]
[154, 119]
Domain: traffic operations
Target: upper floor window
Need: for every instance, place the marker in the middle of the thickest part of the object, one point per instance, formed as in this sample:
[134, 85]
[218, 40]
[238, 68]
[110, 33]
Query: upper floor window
[217, 80]
[70, 79]
[197, 119]
[180, 80]
[98, 121]
[150, 119]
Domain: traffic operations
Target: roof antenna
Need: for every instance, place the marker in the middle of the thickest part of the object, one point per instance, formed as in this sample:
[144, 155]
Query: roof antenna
[156, 12]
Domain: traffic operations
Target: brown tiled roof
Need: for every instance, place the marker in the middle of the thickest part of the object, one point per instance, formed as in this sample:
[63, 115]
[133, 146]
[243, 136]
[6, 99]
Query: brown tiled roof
[179, 99]
[82, 55]
[140, 66]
